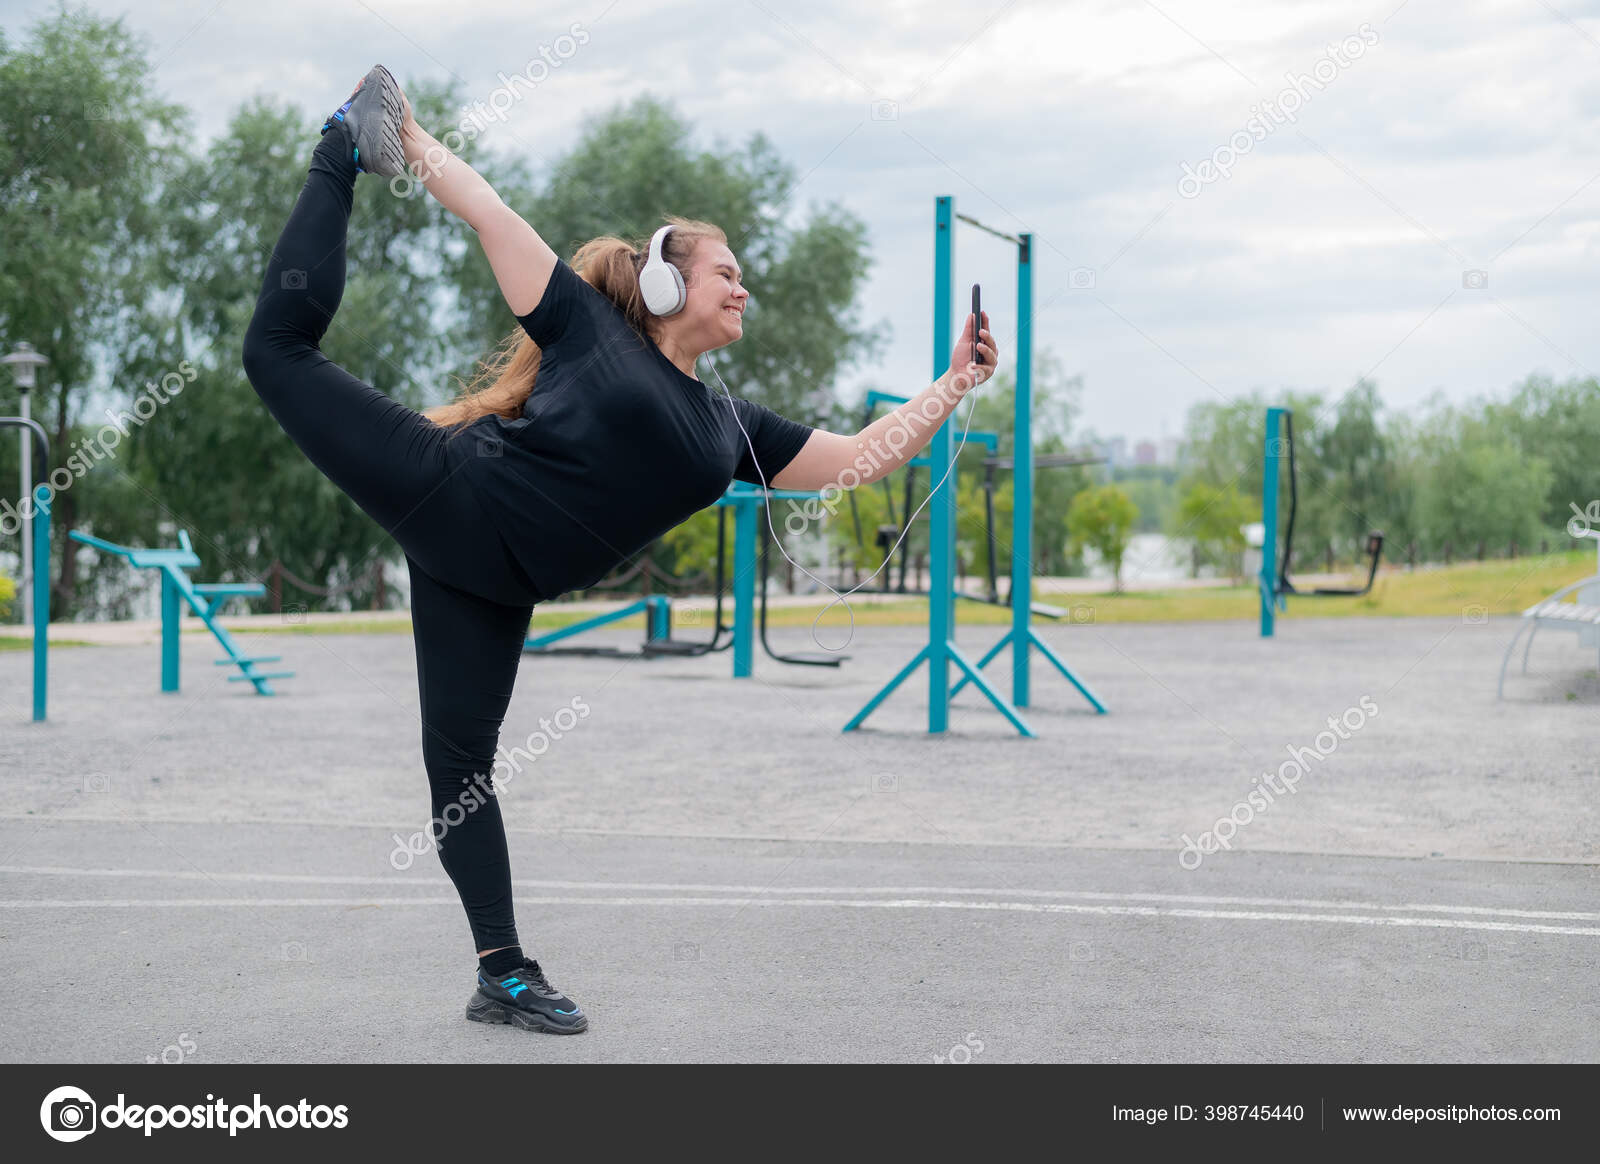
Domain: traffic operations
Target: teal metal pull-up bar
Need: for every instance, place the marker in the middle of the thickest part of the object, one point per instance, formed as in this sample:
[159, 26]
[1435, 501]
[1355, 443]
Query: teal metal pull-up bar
[941, 649]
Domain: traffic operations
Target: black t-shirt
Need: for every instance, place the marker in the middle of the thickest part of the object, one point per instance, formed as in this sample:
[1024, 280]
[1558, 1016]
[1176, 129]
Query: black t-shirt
[615, 445]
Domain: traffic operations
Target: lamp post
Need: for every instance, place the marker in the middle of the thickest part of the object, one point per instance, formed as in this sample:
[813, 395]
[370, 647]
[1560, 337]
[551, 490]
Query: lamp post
[23, 361]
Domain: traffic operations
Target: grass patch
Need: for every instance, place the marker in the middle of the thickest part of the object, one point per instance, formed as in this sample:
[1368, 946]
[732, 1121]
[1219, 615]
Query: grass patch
[11, 643]
[354, 626]
[1494, 588]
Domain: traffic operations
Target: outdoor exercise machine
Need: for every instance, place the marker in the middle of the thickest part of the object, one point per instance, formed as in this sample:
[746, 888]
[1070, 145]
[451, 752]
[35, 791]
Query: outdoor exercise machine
[204, 598]
[941, 650]
[1274, 583]
[40, 533]
[745, 501]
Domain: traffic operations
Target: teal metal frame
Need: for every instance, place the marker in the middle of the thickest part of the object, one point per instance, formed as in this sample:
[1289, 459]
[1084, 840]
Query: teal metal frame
[40, 527]
[1022, 638]
[1273, 600]
[41, 602]
[747, 501]
[941, 650]
[655, 607]
[203, 597]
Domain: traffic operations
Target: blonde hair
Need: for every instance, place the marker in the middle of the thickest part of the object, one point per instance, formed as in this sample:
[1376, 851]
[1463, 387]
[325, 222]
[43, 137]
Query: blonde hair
[611, 266]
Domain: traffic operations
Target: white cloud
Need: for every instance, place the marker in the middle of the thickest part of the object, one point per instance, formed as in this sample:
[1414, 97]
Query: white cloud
[1467, 130]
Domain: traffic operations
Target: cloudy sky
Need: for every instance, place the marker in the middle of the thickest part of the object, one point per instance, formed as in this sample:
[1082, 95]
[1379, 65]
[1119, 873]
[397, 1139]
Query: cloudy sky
[1412, 189]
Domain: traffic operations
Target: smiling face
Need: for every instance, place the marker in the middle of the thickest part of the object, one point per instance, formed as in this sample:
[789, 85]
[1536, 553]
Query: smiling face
[714, 315]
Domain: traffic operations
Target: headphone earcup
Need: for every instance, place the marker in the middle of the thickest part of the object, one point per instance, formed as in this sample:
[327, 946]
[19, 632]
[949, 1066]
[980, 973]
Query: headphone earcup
[661, 284]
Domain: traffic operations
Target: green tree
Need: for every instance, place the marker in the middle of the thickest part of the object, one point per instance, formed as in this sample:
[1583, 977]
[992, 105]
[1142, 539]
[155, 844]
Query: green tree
[1359, 476]
[1560, 423]
[972, 530]
[1475, 484]
[83, 140]
[1211, 518]
[1154, 489]
[1102, 519]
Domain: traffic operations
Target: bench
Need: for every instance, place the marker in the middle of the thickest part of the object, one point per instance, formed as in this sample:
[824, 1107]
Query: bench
[1582, 614]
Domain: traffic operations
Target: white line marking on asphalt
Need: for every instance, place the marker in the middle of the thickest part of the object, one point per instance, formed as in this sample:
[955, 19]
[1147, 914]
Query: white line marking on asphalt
[814, 890]
[303, 823]
[820, 902]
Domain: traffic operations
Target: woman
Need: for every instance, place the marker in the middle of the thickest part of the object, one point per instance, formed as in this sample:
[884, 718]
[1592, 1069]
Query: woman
[512, 496]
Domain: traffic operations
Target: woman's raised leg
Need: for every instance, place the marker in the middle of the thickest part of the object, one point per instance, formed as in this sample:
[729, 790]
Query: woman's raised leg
[390, 459]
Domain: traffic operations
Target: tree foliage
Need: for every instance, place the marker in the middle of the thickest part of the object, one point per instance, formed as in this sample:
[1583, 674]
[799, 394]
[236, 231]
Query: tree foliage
[1102, 518]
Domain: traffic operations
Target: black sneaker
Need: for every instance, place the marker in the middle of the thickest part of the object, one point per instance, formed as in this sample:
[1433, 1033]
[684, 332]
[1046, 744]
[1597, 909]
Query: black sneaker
[525, 998]
[373, 115]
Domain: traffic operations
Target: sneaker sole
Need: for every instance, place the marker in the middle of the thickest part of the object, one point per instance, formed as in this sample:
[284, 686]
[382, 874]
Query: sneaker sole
[381, 150]
[486, 1010]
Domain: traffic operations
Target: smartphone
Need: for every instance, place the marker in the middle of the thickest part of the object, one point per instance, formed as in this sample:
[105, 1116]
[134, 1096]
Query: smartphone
[977, 326]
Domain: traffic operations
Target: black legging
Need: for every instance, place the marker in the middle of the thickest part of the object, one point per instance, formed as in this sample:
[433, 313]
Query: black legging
[470, 602]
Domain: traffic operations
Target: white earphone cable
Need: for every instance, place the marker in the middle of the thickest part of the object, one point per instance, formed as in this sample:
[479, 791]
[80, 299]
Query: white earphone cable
[887, 558]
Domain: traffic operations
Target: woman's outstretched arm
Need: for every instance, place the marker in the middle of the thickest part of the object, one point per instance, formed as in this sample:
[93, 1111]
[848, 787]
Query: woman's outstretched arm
[522, 261]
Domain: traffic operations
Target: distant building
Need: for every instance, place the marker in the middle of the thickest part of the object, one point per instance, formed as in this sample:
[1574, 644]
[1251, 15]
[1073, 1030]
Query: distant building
[1144, 453]
[1168, 452]
[1113, 450]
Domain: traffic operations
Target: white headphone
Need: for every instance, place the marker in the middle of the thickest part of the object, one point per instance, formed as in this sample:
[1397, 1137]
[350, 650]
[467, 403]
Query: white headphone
[660, 282]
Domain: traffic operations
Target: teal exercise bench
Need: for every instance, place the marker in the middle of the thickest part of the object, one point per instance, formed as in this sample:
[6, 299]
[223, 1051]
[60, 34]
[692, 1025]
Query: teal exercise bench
[203, 597]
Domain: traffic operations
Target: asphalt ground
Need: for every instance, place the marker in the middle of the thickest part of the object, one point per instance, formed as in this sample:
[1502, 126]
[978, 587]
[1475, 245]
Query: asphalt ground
[716, 872]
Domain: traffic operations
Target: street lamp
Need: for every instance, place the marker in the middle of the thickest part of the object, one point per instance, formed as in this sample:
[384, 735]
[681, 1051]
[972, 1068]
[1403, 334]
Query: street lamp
[23, 361]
